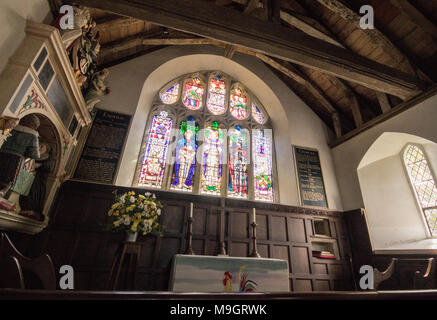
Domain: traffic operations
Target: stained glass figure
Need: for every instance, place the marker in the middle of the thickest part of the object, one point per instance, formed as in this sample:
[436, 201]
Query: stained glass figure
[185, 161]
[193, 93]
[155, 151]
[238, 103]
[217, 94]
[258, 114]
[238, 162]
[262, 164]
[169, 95]
[212, 160]
[423, 182]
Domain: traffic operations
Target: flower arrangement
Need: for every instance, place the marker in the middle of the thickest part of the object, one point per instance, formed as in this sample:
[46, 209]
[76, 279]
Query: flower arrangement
[133, 213]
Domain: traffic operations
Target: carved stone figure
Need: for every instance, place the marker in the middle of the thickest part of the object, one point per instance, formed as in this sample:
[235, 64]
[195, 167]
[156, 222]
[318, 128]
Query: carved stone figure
[15, 172]
[97, 89]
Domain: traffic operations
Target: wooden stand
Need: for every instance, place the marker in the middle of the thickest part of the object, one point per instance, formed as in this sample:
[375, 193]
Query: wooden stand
[189, 249]
[254, 253]
[127, 248]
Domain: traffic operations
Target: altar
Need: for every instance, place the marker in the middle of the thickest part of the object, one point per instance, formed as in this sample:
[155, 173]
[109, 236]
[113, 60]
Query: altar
[190, 273]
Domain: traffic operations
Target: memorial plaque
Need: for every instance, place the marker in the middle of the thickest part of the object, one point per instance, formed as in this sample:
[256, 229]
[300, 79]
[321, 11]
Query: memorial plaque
[102, 150]
[309, 171]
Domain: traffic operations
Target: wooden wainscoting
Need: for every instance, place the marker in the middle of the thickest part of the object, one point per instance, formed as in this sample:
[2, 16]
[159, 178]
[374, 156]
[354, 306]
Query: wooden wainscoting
[75, 236]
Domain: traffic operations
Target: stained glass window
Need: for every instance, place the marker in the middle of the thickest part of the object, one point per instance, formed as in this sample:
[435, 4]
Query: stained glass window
[238, 102]
[217, 94]
[424, 185]
[262, 164]
[238, 162]
[212, 160]
[169, 95]
[232, 161]
[194, 89]
[258, 114]
[185, 160]
[155, 151]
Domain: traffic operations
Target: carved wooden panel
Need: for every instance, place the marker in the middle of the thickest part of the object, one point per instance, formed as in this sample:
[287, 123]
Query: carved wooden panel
[75, 236]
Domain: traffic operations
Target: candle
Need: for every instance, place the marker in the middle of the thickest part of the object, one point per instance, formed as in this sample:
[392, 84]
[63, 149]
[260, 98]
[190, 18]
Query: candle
[191, 209]
[254, 215]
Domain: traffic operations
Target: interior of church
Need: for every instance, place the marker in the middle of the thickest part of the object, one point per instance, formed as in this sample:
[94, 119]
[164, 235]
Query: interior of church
[218, 148]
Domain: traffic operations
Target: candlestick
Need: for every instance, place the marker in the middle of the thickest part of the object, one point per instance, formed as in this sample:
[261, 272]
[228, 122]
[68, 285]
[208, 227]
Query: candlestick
[254, 253]
[189, 249]
[254, 215]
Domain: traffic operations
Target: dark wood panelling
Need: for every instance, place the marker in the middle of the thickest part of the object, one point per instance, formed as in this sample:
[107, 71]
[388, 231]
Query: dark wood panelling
[76, 236]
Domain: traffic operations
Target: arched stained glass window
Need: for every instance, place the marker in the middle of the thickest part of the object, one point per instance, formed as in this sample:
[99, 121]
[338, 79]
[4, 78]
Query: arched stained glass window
[262, 168]
[194, 90]
[424, 184]
[257, 113]
[238, 162]
[170, 94]
[212, 171]
[217, 94]
[235, 157]
[155, 152]
[238, 102]
[185, 161]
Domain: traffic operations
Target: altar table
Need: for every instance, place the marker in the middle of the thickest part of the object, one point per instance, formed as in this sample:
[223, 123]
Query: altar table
[228, 274]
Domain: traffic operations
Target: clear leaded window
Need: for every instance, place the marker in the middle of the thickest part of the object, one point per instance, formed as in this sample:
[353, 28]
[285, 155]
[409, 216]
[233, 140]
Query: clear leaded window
[208, 134]
[424, 185]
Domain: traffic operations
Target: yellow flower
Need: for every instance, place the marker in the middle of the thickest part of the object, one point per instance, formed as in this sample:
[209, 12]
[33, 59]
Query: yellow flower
[115, 205]
[141, 196]
[116, 223]
[116, 213]
[110, 212]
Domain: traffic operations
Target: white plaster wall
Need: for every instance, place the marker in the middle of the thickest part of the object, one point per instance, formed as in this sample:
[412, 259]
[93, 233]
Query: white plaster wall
[135, 83]
[420, 121]
[392, 213]
[13, 16]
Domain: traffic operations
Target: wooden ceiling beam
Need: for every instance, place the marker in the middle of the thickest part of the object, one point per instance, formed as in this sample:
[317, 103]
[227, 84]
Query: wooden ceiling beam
[230, 26]
[296, 21]
[384, 102]
[417, 17]
[374, 35]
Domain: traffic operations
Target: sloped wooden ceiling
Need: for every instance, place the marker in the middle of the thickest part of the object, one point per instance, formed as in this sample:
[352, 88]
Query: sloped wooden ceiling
[404, 40]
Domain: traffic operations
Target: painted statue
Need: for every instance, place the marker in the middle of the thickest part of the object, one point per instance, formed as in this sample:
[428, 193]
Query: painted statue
[16, 156]
[32, 205]
[96, 89]
[185, 155]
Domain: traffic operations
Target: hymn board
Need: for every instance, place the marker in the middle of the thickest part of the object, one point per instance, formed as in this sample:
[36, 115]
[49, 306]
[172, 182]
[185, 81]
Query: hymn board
[102, 150]
[309, 172]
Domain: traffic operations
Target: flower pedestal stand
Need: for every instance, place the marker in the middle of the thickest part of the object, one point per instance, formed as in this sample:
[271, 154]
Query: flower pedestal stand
[133, 249]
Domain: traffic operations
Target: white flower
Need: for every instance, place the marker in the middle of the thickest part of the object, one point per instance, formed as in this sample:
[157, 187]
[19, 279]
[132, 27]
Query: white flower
[122, 199]
[148, 194]
[132, 199]
[141, 206]
[153, 196]
[127, 220]
[158, 212]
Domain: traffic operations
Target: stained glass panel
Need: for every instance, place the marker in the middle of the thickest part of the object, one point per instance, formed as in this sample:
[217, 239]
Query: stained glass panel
[185, 160]
[262, 164]
[212, 160]
[155, 151]
[217, 95]
[170, 94]
[238, 103]
[238, 162]
[424, 184]
[194, 89]
[258, 114]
